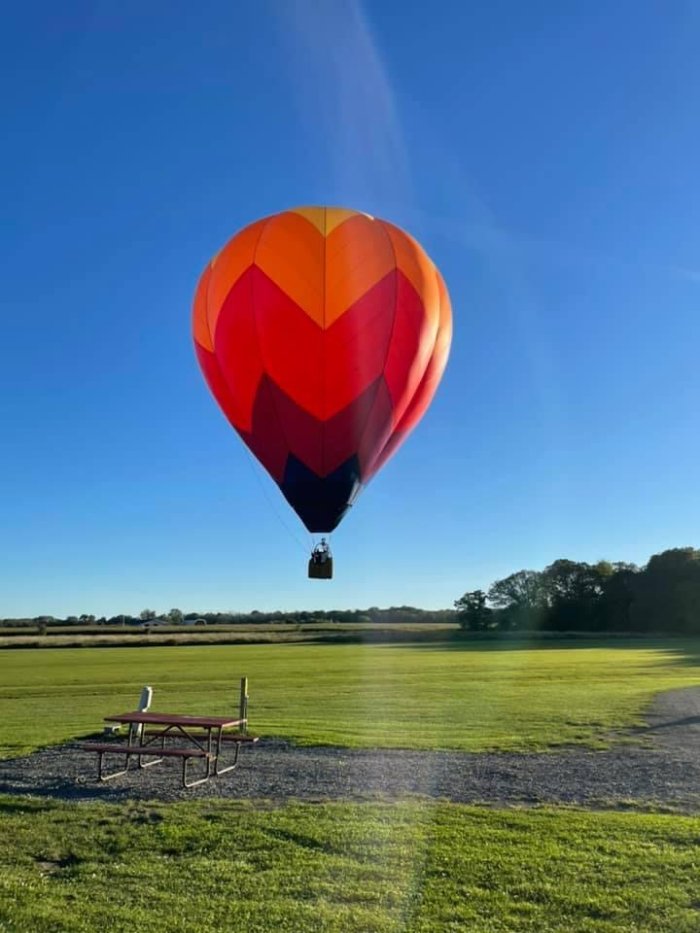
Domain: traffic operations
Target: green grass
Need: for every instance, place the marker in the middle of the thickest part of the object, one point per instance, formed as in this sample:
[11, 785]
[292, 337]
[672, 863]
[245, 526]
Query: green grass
[473, 697]
[370, 868]
[366, 868]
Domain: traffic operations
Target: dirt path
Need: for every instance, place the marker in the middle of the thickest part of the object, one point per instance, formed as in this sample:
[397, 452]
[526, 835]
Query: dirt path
[659, 768]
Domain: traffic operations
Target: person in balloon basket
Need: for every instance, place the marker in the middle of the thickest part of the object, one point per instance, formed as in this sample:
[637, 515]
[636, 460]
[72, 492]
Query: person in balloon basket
[321, 553]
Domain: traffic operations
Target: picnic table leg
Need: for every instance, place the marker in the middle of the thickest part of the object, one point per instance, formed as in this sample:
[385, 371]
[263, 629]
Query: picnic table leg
[142, 744]
[229, 767]
[108, 777]
[209, 753]
[186, 761]
[202, 780]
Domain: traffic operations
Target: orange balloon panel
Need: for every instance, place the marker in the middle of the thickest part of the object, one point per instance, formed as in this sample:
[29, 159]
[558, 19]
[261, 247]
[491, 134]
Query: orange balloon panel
[323, 334]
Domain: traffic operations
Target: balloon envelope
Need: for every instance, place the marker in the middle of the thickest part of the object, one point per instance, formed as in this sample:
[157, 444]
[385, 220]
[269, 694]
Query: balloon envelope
[323, 334]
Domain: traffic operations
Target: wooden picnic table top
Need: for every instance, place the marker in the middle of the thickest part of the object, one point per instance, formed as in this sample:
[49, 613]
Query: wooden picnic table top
[176, 719]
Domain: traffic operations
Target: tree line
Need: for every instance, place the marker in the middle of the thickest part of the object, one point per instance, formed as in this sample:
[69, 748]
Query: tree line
[394, 614]
[661, 597]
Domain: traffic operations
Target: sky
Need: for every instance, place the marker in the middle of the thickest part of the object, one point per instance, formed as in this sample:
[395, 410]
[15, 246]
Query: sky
[544, 154]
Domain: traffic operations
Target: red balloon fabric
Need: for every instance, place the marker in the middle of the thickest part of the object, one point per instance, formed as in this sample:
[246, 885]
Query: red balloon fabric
[323, 334]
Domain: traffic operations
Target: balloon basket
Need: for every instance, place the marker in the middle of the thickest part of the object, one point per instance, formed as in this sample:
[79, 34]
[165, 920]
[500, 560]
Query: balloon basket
[321, 570]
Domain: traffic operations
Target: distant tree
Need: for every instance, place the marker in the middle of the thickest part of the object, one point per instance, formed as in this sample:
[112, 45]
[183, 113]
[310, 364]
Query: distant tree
[520, 599]
[667, 593]
[473, 614]
[87, 619]
[604, 569]
[567, 595]
[568, 581]
[574, 590]
[523, 588]
[175, 616]
[622, 565]
[614, 610]
[147, 615]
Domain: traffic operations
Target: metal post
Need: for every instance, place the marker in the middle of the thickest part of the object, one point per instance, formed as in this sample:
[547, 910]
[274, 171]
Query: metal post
[243, 704]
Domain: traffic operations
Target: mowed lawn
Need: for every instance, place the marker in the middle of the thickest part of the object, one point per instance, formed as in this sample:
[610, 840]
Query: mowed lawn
[472, 697]
[368, 868]
[415, 866]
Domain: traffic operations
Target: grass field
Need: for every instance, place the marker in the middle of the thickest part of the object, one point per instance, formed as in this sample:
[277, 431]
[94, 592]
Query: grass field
[412, 866]
[356, 869]
[471, 697]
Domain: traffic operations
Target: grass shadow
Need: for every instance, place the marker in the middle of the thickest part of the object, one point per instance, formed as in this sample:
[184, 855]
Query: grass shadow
[683, 650]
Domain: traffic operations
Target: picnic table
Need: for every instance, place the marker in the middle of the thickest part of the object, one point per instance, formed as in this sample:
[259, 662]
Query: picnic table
[172, 735]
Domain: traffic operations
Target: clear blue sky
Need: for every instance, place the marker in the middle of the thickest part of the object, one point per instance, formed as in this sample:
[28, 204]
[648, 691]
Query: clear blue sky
[545, 154]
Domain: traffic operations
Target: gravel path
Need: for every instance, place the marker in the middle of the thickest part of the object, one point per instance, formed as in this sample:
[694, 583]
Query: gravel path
[657, 765]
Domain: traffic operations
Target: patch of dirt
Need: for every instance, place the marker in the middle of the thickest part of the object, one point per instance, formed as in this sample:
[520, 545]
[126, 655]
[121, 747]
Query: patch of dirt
[656, 766]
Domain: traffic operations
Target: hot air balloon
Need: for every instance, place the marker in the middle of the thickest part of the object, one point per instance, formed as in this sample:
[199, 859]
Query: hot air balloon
[322, 333]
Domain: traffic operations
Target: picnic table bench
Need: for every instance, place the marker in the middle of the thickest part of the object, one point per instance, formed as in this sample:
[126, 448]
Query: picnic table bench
[201, 737]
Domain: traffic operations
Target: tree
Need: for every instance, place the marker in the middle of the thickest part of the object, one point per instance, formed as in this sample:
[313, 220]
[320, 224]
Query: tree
[667, 593]
[175, 616]
[615, 604]
[147, 615]
[44, 621]
[574, 590]
[523, 588]
[569, 581]
[520, 599]
[472, 612]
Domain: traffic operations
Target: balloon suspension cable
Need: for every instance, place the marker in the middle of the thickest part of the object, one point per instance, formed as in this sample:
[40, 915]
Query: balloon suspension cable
[254, 467]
